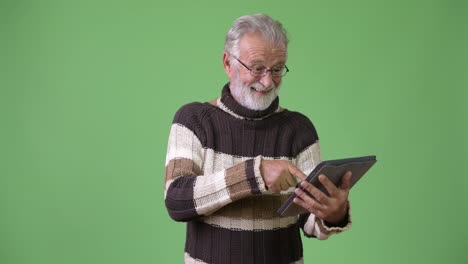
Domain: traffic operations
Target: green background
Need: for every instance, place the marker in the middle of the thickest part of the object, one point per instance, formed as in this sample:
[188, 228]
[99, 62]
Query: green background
[89, 90]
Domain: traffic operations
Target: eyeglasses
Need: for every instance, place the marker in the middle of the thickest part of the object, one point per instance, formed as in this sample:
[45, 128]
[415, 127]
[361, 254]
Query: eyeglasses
[260, 70]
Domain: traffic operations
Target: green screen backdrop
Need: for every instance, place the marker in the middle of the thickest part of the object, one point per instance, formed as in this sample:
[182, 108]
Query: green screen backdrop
[89, 90]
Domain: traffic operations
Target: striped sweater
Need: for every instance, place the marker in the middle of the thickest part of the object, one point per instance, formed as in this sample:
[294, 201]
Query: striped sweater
[213, 181]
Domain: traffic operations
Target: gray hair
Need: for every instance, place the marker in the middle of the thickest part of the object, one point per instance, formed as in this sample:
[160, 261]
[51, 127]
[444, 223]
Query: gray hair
[271, 30]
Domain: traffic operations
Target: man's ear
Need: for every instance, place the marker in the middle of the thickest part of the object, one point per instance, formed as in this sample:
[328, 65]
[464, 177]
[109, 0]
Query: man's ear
[227, 64]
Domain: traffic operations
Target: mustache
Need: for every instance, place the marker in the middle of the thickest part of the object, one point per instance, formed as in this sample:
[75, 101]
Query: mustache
[259, 87]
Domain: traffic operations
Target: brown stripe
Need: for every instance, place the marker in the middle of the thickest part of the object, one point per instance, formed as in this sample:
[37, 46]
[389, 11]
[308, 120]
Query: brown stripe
[236, 181]
[181, 167]
[250, 172]
[284, 134]
[254, 207]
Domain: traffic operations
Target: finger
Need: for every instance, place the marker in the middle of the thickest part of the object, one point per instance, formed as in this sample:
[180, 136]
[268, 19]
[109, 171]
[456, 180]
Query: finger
[346, 181]
[311, 208]
[331, 188]
[284, 185]
[304, 205]
[315, 192]
[301, 203]
[309, 201]
[295, 171]
[290, 180]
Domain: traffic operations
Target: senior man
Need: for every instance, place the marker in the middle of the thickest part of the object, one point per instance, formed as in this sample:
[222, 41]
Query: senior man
[233, 161]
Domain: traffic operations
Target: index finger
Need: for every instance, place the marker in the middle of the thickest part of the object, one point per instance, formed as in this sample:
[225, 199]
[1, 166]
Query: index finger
[295, 171]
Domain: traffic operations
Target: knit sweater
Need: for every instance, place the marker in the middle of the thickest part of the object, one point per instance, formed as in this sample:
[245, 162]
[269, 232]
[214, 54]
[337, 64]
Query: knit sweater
[213, 181]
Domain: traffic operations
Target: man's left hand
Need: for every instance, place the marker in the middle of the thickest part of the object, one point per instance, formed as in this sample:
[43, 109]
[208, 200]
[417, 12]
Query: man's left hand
[331, 208]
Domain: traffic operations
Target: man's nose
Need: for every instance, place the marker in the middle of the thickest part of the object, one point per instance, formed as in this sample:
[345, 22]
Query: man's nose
[267, 80]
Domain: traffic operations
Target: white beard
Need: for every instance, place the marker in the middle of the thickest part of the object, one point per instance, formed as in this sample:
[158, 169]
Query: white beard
[247, 98]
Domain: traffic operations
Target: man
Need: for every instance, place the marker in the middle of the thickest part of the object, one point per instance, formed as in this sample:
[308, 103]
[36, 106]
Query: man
[232, 162]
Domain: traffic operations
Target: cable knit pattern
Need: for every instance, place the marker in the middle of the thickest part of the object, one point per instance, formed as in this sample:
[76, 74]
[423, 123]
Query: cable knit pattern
[213, 181]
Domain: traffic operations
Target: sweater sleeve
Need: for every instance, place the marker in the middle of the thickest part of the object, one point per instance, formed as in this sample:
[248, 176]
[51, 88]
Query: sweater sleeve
[310, 224]
[189, 193]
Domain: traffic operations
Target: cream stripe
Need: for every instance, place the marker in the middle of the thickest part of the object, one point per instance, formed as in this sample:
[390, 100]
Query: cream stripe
[220, 161]
[189, 260]
[183, 143]
[250, 224]
[305, 161]
[210, 193]
[258, 175]
[309, 227]
[309, 158]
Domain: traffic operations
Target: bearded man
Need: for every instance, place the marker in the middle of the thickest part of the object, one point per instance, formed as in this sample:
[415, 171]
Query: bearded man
[232, 162]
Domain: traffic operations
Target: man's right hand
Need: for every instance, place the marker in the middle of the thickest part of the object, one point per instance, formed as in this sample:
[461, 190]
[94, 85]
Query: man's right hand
[279, 175]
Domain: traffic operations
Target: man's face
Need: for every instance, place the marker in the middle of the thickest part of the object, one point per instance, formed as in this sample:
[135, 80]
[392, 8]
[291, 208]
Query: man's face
[256, 93]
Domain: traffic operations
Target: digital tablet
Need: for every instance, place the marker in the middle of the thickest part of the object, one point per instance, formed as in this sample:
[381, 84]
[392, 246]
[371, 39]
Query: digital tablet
[334, 170]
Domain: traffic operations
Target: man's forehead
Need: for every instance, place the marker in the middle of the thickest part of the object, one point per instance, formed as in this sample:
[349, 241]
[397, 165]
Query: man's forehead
[256, 46]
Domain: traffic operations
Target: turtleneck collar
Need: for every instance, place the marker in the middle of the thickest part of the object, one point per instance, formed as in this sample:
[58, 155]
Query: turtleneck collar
[236, 109]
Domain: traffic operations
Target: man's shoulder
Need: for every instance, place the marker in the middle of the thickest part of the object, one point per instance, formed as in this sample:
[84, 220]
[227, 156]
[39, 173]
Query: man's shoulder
[197, 106]
[192, 108]
[192, 116]
[296, 116]
[192, 113]
[300, 124]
